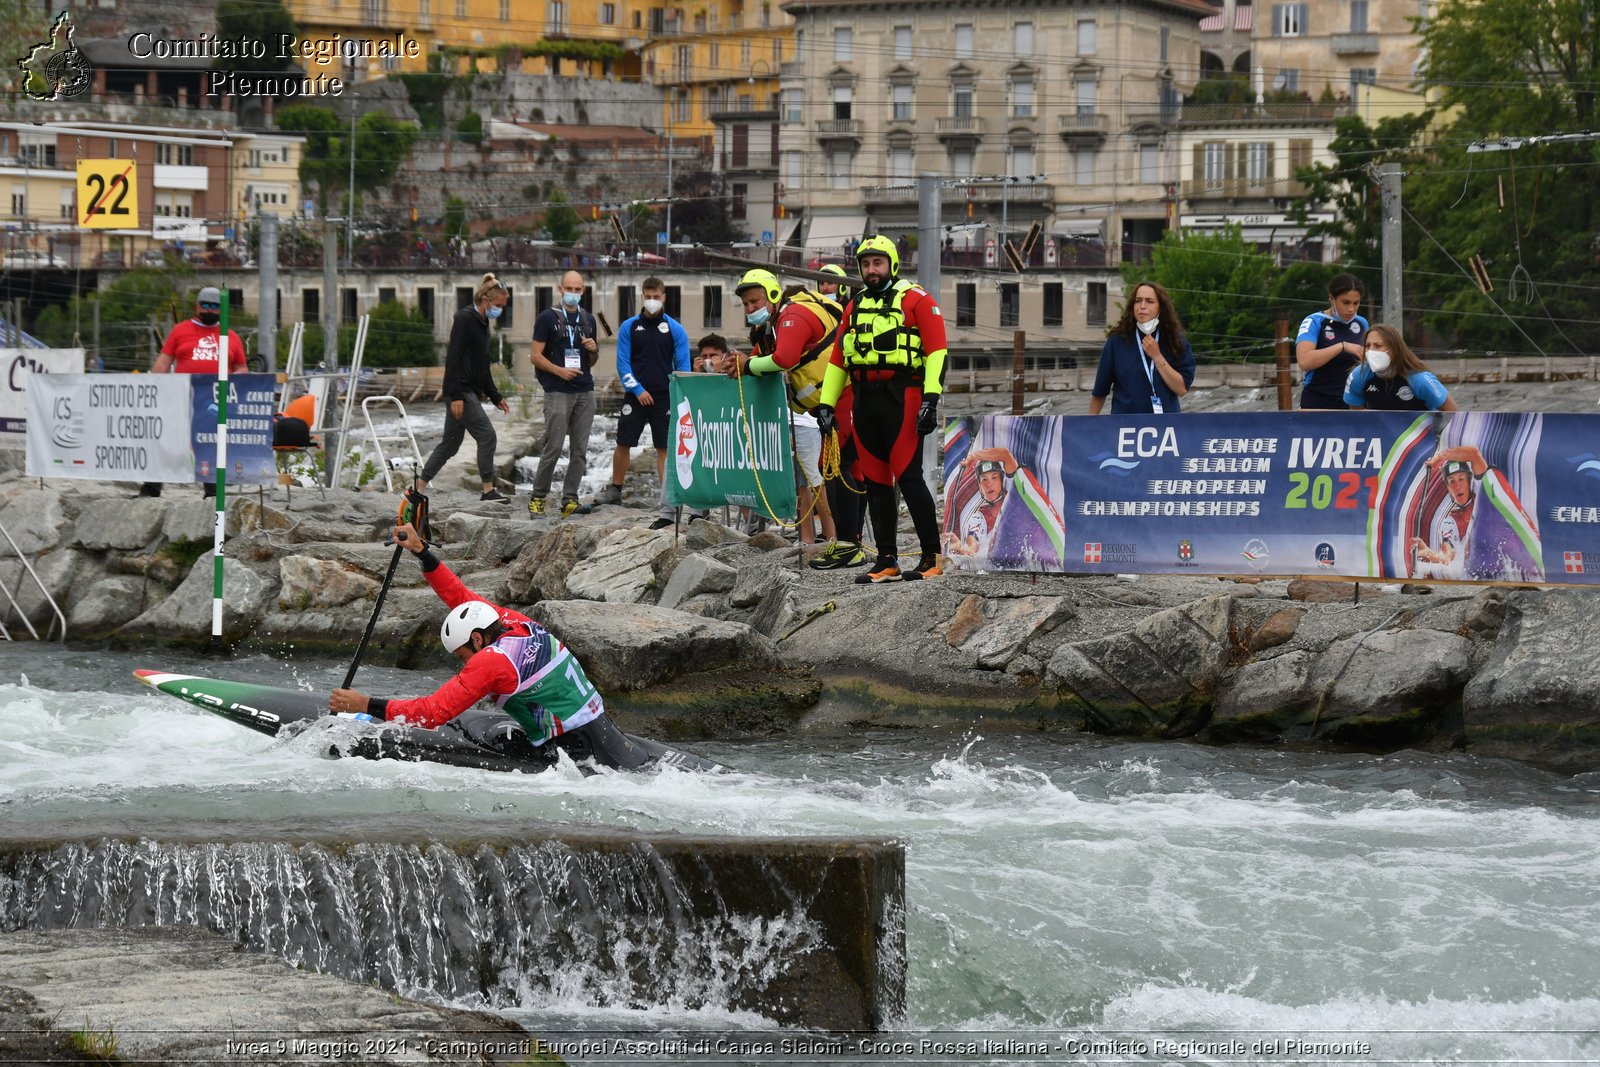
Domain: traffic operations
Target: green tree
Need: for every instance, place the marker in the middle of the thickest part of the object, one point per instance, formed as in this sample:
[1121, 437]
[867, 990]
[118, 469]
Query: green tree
[255, 20]
[130, 308]
[1220, 285]
[700, 212]
[470, 128]
[561, 221]
[455, 216]
[397, 336]
[1508, 69]
[381, 145]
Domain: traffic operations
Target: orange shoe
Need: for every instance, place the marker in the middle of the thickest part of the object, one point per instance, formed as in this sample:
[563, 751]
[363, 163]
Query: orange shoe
[927, 567]
[885, 570]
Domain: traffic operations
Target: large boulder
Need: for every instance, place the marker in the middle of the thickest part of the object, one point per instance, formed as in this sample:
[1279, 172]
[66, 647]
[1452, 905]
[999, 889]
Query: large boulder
[695, 575]
[193, 520]
[307, 583]
[540, 570]
[107, 604]
[124, 525]
[632, 646]
[185, 616]
[1155, 680]
[58, 572]
[36, 519]
[621, 569]
[1538, 695]
[995, 632]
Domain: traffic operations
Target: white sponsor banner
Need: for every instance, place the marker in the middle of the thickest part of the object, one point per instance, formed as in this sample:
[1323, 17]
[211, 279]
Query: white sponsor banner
[17, 365]
[110, 427]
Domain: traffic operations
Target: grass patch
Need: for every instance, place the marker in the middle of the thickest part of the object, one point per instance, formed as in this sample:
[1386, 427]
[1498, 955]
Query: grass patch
[96, 1044]
[184, 552]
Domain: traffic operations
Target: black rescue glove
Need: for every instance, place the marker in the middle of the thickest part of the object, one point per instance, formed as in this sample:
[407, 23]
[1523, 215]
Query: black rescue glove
[928, 415]
[825, 420]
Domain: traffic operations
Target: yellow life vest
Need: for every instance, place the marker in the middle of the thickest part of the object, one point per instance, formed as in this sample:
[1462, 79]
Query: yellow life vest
[805, 377]
[878, 337]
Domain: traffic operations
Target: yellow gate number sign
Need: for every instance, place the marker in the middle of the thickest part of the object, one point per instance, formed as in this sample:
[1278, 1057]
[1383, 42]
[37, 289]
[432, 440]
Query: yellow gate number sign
[108, 194]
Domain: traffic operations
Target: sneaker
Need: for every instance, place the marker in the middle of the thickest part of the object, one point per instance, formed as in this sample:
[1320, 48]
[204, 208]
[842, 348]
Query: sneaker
[885, 570]
[572, 507]
[661, 524]
[611, 494]
[536, 506]
[927, 567]
[838, 555]
[493, 497]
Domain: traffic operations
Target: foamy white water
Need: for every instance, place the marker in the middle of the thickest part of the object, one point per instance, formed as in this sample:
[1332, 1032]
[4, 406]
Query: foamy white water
[1440, 909]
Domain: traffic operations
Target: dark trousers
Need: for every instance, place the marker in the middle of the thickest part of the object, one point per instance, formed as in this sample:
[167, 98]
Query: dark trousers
[846, 499]
[919, 502]
[475, 421]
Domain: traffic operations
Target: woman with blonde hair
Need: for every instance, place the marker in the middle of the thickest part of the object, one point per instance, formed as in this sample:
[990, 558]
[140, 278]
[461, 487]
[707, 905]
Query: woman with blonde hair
[467, 382]
[1390, 377]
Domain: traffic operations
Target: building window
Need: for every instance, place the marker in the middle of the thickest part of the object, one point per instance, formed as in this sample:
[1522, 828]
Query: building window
[902, 42]
[1149, 163]
[385, 294]
[842, 100]
[19, 200]
[1086, 37]
[674, 304]
[1084, 92]
[1010, 305]
[961, 162]
[711, 302]
[1216, 162]
[900, 163]
[1358, 16]
[964, 40]
[1290, 79]
[680, 105]
[1022, 96]
[1289, 20]
[463, 296]
[1166, 42]
[67, 193]
[505, 10]
[1362, 76]
[1083, 166]
[900, 96]
[347, 305]
[1258, 161]
[843, 44]
[608, 14]
[792, 106]
[627, 302]
[507, 312]
[839, 169]
[741, 199]
[425, 302]
[962, 100]
[174, 205]
[966, 305]
[1021, 161]
[175, 155]
[310, 305]
[1052, 304]
[1022, 38]
[683, 60]
[461, 9]
[744, 53]
[793, 168]
[544, 298]
[1095, 304]
[716, 55]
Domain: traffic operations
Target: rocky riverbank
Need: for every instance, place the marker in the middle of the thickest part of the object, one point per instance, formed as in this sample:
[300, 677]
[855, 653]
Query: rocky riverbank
[713, 633]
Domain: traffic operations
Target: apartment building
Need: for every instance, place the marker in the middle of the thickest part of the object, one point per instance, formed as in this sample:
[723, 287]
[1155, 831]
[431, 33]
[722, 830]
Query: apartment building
[1075, 102]
[723, 57]
[1332, 47]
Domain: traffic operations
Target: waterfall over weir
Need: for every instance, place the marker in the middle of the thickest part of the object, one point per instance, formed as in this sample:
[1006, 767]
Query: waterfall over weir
[805, 932]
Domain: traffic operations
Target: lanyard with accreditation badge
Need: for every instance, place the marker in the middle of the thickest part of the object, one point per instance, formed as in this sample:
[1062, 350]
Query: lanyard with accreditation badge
[572, 357]
[1150, 373]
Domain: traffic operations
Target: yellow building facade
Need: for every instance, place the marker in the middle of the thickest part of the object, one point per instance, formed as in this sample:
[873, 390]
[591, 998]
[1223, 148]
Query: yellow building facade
[717, 57]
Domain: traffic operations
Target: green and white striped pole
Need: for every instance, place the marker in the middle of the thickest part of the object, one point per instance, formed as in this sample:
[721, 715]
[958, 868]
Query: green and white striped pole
[222, 470]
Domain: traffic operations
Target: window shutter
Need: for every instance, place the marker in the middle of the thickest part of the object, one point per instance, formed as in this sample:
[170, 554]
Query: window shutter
[1271, 153]
[1230, 161]
[1277, 20]
[1199, 165]
[1303, 13]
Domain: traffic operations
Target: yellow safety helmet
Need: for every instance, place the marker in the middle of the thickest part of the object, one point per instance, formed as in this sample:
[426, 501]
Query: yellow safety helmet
[834, 268]
[880, 245]
[765, 279]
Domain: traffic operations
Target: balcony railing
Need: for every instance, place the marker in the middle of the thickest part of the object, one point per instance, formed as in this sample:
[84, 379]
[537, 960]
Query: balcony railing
[839, 128]
[1242, 188]
[1280, 113]
[1084, 123]
[1355, 44]
[959, 125]
[906, 193]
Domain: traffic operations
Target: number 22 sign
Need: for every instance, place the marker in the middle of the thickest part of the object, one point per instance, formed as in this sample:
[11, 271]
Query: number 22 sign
[108, 194]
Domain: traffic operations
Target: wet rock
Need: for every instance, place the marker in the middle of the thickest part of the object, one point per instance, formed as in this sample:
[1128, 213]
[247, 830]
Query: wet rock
[107, 604]
[250, 514]
[1390, 688]
[185, 616]
[36, 519]
[58, 572]
[631, 646]
[1265, 700]
[1538, 695]
[1010, 624]
[193, 520]
[695, 575]
[1157, 679]
[306, 583]
[540, 570]
[620, 570]
[120, 524]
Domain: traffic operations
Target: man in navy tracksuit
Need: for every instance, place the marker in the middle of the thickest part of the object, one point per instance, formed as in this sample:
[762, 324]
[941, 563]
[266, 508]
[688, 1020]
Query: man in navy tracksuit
[650, 346]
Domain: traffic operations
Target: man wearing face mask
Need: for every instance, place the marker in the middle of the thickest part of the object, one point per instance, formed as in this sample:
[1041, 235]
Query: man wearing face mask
[837, 292]
[650, 347]
[191, 348]
[564, 351]
[1146, 366]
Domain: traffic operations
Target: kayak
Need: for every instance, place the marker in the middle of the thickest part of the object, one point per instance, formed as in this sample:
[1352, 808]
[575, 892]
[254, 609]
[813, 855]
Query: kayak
[481, 737]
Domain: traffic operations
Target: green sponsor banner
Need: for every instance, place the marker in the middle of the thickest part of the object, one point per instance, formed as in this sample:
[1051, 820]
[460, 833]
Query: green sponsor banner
[731, 449]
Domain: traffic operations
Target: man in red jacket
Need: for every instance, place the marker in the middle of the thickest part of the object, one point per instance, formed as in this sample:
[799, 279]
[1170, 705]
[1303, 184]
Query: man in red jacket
[192, 348]
[511, 659]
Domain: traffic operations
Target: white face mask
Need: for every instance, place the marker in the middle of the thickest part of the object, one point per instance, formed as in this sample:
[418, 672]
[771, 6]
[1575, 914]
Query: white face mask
[1378, 361]
[653, 307]
[1148, 328]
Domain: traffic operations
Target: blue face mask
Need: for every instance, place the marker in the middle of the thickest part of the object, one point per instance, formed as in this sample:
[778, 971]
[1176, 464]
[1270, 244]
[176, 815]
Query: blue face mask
[494, 312]
[758, 317]
[572, 300]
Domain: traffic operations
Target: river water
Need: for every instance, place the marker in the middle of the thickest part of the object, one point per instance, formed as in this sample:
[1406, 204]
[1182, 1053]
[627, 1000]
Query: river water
[1438, 908]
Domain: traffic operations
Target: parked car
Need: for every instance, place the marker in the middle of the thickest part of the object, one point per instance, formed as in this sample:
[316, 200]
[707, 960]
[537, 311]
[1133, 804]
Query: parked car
[109, 259]
[28, 259]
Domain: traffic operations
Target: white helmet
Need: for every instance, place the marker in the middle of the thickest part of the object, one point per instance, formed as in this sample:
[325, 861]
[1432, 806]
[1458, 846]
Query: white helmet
[463, 620]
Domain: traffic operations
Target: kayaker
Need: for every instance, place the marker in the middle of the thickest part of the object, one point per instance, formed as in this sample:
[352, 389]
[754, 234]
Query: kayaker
[510, 658]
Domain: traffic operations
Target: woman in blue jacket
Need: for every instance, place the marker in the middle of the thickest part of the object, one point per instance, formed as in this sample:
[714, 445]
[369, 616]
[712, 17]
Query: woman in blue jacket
[1146, 365]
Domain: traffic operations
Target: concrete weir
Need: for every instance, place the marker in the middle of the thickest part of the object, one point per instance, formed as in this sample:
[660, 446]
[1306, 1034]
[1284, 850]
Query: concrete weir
[806, 932]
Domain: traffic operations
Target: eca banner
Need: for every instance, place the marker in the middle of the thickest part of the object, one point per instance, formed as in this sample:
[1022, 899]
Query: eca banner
[731, 449]
[1507, 497]
[250, 410]
[109, 427]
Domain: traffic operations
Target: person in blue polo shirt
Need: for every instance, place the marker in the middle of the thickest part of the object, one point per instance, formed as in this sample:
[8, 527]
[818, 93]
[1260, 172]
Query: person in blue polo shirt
[1146, 365]
[650, 346]
[1329, 344]
[1390, 377]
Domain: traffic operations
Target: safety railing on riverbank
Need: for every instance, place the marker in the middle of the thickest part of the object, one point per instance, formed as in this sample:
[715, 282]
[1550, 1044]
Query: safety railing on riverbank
[11, 595]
